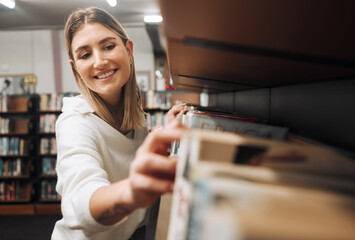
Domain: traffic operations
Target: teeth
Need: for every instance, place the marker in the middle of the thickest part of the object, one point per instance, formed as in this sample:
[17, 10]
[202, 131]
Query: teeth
[105, 75]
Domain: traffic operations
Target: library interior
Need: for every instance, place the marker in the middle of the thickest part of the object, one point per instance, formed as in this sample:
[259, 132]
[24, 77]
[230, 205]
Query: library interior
[269, 94]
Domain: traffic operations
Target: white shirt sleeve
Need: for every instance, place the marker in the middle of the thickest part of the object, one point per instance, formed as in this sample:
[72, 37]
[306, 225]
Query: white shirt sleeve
[80, 171]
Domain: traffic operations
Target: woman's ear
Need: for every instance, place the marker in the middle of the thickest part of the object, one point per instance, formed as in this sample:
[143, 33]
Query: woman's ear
[129, 47]
[72, 64]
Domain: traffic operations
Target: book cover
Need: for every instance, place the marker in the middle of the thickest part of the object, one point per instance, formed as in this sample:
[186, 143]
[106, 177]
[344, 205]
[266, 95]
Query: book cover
[232, 208]
[236, 125]
[206, 154]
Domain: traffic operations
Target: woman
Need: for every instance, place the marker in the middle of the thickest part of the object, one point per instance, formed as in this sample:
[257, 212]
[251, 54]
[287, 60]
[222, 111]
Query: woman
[102, 131]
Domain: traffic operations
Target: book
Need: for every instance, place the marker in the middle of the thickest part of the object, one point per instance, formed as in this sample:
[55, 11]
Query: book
[207, 155]
[232, 208]
[231, 148]
[238, 125]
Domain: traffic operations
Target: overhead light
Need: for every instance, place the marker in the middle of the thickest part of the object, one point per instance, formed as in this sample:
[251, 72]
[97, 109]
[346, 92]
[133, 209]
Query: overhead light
[153, 19]
[112, 3]
[8, 3]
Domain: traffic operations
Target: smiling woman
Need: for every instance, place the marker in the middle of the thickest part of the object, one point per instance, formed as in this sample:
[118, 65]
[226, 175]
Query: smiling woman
[100, 54]
[110, 172]
[103, 61]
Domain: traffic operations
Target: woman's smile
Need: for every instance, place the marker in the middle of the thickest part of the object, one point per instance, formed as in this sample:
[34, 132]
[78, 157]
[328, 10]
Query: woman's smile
[105, 75]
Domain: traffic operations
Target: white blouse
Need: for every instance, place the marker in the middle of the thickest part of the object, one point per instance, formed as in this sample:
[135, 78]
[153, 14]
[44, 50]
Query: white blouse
[91, 154]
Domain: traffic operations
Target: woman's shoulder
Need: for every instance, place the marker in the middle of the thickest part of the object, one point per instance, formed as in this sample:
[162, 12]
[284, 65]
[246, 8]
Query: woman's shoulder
[76, 104]
[76, 113]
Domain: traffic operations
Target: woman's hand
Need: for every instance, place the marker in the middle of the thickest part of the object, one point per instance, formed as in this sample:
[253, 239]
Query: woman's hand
[179, 109]
[152, 173]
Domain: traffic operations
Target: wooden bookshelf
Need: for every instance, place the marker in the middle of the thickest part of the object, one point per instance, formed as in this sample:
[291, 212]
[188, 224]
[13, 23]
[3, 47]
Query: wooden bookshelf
[46, 208]
[17, 144]
[291, 63]
[23, 113]
[17, 209]
[232, 45]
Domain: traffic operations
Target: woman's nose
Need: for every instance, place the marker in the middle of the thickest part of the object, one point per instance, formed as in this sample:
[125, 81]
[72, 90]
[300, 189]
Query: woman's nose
[100, 61]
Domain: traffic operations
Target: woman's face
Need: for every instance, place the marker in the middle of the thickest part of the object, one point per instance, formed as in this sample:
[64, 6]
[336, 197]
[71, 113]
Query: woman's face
[102, 60]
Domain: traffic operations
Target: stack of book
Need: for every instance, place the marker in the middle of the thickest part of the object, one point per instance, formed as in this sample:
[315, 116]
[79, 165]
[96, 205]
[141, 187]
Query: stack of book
[235, 187]
[207, 118]
[13, 146]
[53, 101]
[47, 123]
[11, 167]
[214, 119]
[48, 146]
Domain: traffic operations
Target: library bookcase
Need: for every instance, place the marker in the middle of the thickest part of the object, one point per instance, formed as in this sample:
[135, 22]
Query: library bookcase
[287, 63]
[27, 162]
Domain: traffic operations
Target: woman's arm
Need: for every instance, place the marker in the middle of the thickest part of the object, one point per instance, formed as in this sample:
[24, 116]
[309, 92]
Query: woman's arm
[151, 174]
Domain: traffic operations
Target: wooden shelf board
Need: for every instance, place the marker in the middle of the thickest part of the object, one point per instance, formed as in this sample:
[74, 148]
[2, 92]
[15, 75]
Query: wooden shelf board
[14, 177]
[14, 156]
[255, 45]
[47, 176]
[292, 26]
[49, 112]
[210, 68]
[43, 208]
[17, 209]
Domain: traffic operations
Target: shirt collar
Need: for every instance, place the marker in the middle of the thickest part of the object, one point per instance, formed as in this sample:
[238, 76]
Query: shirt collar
[77, 104]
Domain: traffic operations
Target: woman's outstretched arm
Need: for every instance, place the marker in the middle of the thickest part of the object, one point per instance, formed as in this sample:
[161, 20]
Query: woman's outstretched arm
[151, 174]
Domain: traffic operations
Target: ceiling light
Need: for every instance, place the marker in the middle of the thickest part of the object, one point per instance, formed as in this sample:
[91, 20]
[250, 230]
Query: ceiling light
[8, 3]
[153, 18]
[112, 3]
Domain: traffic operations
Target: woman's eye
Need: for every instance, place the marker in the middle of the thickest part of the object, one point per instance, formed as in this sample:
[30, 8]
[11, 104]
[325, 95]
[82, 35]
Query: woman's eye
[85, 56]
[110, 47]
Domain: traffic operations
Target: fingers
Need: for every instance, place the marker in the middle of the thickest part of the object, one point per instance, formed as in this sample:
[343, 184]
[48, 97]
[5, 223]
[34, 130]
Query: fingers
[152, 173]
[150, 176]
[162, 138]
[150, 184]
[151, 163]
[179, 109]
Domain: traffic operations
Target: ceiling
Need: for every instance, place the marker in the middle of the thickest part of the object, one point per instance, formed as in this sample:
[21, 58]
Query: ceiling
[49, 14]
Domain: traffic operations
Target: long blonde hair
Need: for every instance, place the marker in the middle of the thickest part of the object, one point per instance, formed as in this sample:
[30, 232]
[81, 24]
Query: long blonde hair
[133, 114]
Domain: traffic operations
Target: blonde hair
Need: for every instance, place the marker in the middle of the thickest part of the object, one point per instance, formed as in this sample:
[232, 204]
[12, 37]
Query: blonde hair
[133, 114]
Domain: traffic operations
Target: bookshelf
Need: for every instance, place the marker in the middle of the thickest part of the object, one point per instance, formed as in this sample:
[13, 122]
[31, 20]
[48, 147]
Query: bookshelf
[156, 104]
[258, 60]
[287, 63]
[47, 155]
[28, 153]
[17, 144]
[49, 109]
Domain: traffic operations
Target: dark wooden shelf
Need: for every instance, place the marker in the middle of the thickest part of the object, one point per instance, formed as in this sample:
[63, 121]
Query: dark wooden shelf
[23, 135]
[48, 155]
[14, 177]
[49, 200]
[46, 133]
[17, 209]
[238, 45]
[47, 176]
[49, 208]
[14, 156]
[50, 112]
[17, 113]
[23, 200]
[30, 209]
